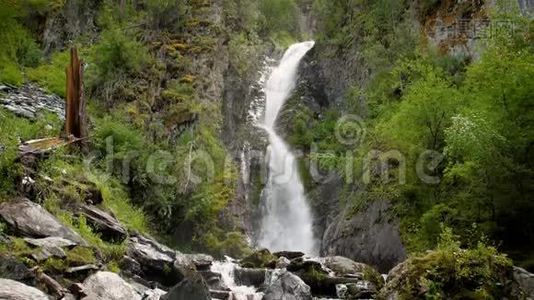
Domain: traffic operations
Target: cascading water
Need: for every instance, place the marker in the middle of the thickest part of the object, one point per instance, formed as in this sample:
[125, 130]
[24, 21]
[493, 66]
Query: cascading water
[227, 269]
[287, 220]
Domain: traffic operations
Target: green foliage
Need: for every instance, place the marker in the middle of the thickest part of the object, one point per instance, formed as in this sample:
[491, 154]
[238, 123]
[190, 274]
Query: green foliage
[113, 62]
[79, 256]
[279, 15]
[18, 50]
[52, 75]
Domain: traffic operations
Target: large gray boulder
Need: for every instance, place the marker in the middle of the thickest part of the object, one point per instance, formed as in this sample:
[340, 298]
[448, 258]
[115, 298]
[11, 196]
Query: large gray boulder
[192, 287]
[108, 286]
[31, 219]
[14, 290]
[287, 286]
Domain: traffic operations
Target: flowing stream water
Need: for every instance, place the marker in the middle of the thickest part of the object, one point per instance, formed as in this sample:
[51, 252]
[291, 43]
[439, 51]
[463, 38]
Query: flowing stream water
[286, 217]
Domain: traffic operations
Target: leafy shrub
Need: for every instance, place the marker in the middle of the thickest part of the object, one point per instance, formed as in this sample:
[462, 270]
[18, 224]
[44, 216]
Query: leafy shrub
[114, 62]
[17, 50]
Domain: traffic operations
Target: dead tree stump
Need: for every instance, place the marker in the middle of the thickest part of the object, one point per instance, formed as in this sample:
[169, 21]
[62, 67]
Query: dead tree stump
[75, 116]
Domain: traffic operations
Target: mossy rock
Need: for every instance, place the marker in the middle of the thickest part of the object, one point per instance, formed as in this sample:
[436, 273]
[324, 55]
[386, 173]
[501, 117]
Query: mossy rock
[259, 259]
[479, 273]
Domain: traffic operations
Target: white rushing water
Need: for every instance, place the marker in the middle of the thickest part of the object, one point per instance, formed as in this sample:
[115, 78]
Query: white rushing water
[287, 219]
[227, 269]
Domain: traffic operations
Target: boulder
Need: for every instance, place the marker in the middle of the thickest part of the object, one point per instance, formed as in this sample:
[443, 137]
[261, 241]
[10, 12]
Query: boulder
[213, 279]
[250, 277]
[158, 262]
[108, 286]
[287, 286]
[259, 259]
[129, 266]
[202, 262]
[192, 287]
[289, 254]
[31, 219]
[14, 290]
[110, 228]
[345, 267]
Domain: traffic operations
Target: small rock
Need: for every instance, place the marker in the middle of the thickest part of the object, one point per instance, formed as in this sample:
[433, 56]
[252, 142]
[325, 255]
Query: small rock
[282, 262]
[52, 241]
[13, 290]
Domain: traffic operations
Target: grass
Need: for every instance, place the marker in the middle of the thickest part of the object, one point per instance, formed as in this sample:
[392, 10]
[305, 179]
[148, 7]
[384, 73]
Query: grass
[52, 75]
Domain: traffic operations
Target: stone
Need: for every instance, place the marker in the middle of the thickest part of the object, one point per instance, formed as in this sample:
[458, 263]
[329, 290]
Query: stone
[108, 286]
[282, 262]
[109, 227]
[14, 290]
[287, 286]
[525, 280]
[250, 277]
[289, 254]
[31, 219]
[213, 279]
[192, 287]
[52, 241]
[154, 294]
[259, 259]
[129, 266]
[345, 267]
[47, 252]
[158, 262]
[12, 268]
[201, 261]
[358, 290]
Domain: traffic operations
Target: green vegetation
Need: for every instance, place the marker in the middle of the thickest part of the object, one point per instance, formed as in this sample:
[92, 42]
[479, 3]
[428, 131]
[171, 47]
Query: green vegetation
[452, 272]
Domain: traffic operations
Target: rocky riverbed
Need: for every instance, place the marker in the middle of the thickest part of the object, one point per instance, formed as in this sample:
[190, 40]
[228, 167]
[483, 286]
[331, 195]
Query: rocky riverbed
[151, 270]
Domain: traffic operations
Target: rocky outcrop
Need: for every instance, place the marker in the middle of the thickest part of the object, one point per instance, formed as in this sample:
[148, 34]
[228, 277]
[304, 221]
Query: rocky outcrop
[13, 290]
[370, 236]
[31, 219]
[158, 262]
[28, 100]
[287, 286]
[525, 280]
[108, 286]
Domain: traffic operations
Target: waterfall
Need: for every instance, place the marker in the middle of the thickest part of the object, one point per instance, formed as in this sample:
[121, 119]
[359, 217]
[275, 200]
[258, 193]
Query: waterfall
[287, 220]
